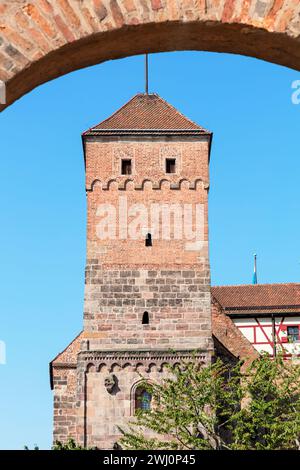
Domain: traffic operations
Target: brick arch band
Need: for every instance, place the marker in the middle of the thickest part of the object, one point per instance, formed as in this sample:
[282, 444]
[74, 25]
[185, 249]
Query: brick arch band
[43, 39]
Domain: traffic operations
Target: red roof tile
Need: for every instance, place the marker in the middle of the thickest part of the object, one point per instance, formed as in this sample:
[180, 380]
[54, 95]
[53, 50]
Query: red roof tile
[263, 297]
[147, 112]
[227, 333]
[69, 354]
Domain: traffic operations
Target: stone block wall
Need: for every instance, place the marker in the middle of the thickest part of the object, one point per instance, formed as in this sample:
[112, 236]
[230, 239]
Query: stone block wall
[100, 412]
[177, 301]
[65, 411]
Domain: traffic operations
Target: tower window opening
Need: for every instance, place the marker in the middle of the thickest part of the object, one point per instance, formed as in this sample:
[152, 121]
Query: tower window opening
[170, 165]
[126, 167]
[143, 399]
[148, 241]
[145, 319]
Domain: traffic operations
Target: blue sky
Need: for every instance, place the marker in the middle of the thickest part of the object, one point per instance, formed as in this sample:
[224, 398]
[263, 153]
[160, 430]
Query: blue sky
[254, 201]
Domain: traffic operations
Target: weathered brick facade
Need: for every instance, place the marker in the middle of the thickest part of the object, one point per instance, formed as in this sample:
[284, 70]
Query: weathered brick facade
[169, 281]
[43, 39]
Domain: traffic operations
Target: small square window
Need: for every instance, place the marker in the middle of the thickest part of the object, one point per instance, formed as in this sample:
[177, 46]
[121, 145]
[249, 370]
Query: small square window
[126, 167]
[293, 333]
[170, 165]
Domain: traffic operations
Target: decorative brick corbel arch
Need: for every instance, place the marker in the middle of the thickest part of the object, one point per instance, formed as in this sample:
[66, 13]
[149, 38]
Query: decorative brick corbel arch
[44, 39]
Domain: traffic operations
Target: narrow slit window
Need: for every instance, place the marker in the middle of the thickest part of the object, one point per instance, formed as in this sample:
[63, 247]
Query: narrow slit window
[170, 165]
[148, 241]
[145, 320]
[126, 167]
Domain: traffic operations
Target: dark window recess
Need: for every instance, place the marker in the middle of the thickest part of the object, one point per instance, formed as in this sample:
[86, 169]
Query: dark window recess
[293, 333]
[148, 241]
[145, 319]
[126, 167]
[170, 165]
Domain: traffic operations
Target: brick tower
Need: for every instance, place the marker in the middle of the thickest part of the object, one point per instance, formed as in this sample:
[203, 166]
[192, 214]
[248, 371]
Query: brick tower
[147, 288]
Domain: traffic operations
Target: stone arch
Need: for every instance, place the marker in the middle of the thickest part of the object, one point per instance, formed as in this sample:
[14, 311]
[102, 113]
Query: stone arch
[102, 367]
[95, 184]
[151, 367]
[184, 183]
[44, 39]
[198, 184]
[114, 367]
[164, 366]
[164, 184]
[147, 183]
[139, 366]
[90, 367]
[128, 184]
[111, 185]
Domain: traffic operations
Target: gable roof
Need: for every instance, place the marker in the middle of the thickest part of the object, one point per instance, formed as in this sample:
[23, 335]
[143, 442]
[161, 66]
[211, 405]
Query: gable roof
[259, 298]
[146, 113]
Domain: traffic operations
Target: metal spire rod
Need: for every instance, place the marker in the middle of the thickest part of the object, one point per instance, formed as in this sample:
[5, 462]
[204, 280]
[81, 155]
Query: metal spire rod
[146, 75]
[255, 270]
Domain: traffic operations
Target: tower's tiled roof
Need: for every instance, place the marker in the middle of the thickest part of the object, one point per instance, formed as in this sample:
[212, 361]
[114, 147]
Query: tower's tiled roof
[262, 298]
[147, 112]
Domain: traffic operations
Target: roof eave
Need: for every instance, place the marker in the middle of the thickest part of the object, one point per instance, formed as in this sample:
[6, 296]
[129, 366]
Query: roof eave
[262, 311]
[92, 132]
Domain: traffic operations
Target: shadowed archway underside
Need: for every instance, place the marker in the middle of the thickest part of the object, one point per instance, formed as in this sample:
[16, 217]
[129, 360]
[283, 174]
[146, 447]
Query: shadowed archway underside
[44, 39]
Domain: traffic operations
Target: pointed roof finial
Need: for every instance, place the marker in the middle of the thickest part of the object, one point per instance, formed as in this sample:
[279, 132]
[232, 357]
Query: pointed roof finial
[146, 75]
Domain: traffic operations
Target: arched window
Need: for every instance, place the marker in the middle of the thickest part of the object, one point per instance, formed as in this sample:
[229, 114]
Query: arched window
[142, 399]
[145, 319]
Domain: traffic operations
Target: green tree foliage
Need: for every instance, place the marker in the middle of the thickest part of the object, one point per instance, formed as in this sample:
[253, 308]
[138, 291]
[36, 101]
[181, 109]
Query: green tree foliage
[270, 419]
[218, 407]
[35, 447]
[69, 445]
